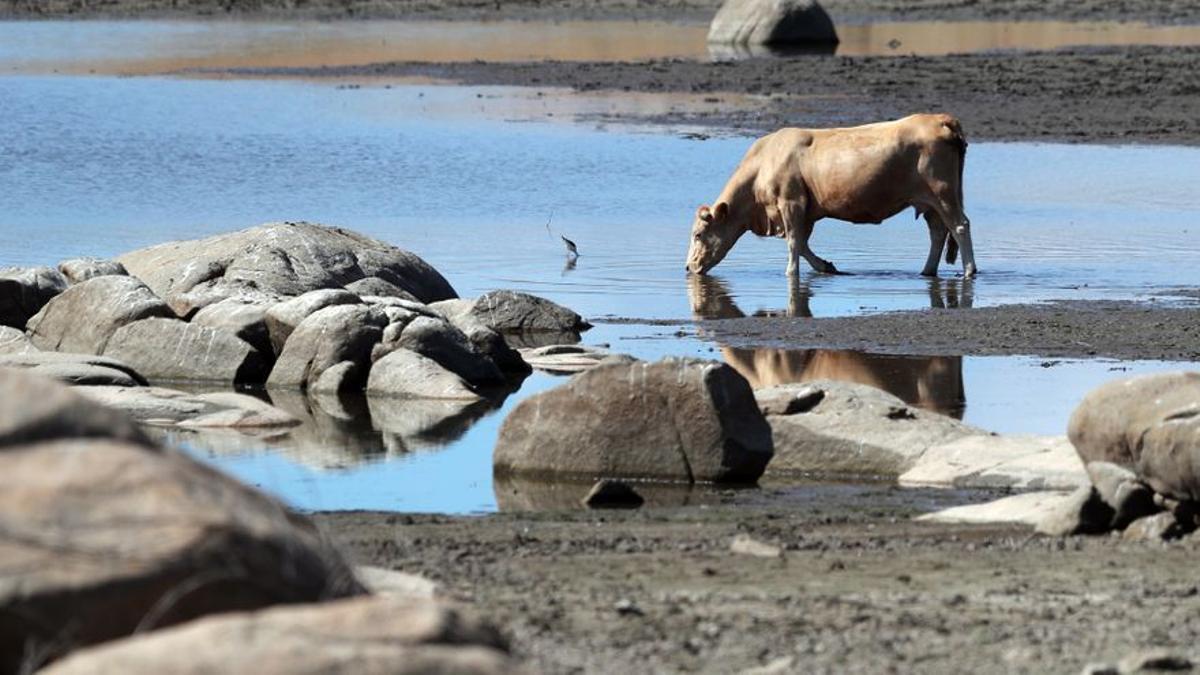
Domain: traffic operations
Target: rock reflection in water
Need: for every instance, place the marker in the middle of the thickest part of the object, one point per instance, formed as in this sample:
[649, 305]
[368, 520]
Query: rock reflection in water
[515, 493]
[339, 431]
[930, 382]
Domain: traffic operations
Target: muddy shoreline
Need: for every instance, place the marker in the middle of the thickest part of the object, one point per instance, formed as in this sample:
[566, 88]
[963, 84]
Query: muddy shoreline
[859, 587]
[1168, 11]
[1067, 329]
[1106, 95]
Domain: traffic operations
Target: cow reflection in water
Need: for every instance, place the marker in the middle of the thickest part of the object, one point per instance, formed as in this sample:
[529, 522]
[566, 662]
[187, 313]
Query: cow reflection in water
[931, 382]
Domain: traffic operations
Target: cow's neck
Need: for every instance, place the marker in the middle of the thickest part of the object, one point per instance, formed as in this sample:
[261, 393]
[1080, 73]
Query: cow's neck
[745, 214]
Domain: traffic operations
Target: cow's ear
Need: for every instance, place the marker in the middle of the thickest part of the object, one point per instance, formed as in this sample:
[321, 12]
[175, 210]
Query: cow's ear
[720, 210]
[703, 213]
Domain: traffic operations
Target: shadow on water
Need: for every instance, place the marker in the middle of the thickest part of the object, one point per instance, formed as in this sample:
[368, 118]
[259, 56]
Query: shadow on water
[930, 382]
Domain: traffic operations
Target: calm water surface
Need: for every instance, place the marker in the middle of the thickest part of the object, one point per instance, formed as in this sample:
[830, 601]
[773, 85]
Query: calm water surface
[100, 165]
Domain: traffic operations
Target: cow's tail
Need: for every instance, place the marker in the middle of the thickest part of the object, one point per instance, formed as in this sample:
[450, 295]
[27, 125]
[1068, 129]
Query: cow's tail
[958, 141]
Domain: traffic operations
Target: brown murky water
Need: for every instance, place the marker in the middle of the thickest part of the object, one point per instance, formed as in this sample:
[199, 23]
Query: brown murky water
[127, 47]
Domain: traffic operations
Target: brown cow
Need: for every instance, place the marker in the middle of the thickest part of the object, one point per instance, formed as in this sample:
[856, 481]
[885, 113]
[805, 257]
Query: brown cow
[792, 178]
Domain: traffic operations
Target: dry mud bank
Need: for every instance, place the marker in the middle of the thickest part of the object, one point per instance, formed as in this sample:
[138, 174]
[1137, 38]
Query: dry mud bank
[859, 587]
[1168, 11]
[1137, 94]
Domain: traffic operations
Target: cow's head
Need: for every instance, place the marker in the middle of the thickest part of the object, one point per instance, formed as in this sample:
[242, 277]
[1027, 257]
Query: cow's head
[712, 236]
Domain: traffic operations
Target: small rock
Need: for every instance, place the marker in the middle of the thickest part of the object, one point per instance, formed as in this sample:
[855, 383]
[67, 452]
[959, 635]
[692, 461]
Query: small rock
[1154, 659]
[744, 544]
[626, 607]
[792, 401]
[612, 494]
[81, 269]
[1100, 669]
[1158, 527]
[1119, 487]
[1083, 512]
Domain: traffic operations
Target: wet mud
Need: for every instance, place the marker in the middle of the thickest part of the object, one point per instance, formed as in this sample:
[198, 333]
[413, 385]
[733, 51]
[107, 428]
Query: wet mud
[858, 587]
[1067, 329]
[1115, 94]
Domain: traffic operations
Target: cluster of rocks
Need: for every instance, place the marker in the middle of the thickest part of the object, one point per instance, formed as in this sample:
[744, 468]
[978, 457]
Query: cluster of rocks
[294, 306]
[1138, 441]
[692, 421]
[120, 555]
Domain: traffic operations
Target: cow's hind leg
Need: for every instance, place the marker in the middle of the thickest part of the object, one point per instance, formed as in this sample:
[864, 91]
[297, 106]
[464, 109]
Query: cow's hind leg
[937, 241]
[799, 228]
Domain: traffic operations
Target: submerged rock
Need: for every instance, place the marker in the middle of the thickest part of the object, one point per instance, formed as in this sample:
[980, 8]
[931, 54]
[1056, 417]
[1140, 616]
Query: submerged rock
[564, 359]
[24, 291]
[676, 419]
[1149, 425]
[772, 22]
[84, 317]
[280, 259]
[362, 635]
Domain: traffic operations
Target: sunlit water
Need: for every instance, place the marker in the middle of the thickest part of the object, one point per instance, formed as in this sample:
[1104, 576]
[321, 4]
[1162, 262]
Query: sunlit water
[102, 165]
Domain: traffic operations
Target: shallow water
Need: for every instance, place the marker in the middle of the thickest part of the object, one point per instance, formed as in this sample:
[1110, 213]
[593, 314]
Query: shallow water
[99, 165]
[149, 47]
[104, 165]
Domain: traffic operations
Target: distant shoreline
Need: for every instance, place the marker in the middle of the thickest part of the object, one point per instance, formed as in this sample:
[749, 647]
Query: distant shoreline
[1166, 11]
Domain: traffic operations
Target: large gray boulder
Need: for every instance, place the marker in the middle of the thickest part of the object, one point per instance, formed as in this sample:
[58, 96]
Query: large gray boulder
[170, 349]
[1149, 425]
[330, 350]
[35, 409]
[361, 635]
[281, 259]
[24, 291]
[246, 320]
[81, 269]
[405, 373]
[449, 347]
[108, 538]
[850, 429]
[79, 369]
[104, 534]
[282, 318]
[83, 317]
[772, 22]
[486, 340]
[676, 419]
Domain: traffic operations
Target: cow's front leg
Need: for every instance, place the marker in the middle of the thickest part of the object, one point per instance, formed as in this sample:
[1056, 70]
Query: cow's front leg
[937, 241]
[799, 228]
